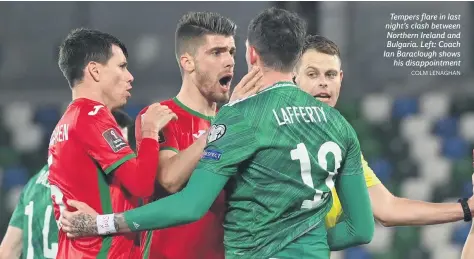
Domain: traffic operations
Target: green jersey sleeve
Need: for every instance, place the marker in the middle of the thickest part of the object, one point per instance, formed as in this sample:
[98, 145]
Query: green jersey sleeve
[231, 140]
[19, 213]
[352, 164]
[358, 226]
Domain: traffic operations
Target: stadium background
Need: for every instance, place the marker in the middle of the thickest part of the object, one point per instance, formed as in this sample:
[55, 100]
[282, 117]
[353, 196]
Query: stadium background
[416, 131]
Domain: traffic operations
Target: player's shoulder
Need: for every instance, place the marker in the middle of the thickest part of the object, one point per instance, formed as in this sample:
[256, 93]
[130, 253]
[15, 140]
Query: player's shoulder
[85, 108]
[335, 114]
[29, 186]
[234, 109]
[82, 115]
[277, 94]
[90, 112]
[265, 100]
[282, 90]
[37, 183]
[242, 102]
[169, 102]
[41, 178]
[268, 92]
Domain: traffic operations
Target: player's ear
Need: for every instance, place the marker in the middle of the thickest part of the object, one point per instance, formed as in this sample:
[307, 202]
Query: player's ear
[93, 70]
[253, 56]
[293, 75]
[341, 75]
[187, 62]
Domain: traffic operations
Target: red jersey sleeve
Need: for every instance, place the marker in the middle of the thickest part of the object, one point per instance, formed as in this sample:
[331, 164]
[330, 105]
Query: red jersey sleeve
[102, 138]
[168, 140]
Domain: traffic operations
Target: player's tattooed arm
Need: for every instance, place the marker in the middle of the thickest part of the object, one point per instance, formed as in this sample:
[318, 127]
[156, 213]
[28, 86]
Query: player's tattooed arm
[85, 221]
[79, 223]
[84, 225]
[120, 224]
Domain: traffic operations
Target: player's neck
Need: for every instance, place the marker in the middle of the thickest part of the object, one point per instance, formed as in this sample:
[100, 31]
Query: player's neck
[190, 96]
[82, 91]
[271, 77]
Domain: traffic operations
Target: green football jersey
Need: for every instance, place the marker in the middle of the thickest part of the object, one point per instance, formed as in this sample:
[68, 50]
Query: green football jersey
[283, 151]
[34, 214]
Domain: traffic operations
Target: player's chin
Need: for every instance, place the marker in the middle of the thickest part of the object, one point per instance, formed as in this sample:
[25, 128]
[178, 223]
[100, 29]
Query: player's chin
[222, 97]
[121, 103]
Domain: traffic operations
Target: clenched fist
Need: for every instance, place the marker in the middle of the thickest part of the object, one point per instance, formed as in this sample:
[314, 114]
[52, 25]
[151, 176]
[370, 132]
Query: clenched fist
[155, 118]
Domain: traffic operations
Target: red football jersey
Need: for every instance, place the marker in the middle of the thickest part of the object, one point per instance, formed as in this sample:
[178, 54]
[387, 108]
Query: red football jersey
[203, 239]
[85, 147]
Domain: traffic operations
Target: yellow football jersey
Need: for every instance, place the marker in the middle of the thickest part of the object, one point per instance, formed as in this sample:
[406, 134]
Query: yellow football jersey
[336, 210]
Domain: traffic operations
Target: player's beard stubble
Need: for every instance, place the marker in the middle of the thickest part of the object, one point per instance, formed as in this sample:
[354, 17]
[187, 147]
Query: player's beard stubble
[115, 100]
[209, 86]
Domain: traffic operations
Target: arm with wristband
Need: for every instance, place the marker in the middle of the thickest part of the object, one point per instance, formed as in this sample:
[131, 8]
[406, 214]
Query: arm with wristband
[194, 200]
[211, 172]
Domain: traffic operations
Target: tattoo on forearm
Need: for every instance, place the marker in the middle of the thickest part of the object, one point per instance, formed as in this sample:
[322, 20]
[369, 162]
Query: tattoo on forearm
[84, 225]
[120, 224]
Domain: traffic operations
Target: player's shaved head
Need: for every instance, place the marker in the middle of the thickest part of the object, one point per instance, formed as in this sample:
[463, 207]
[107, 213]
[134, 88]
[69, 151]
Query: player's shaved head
[193, 26]
[321, 44]
[277, 36]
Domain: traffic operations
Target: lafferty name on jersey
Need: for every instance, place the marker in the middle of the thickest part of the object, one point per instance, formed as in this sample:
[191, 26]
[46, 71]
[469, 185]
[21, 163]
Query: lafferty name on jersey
[290, 115]
[60, 134]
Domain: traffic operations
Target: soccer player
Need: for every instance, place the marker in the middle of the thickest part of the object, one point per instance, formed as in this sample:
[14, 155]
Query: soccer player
[205, 53]
[32, 231]
[279, 152]
[89, 159]
[319, 73]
